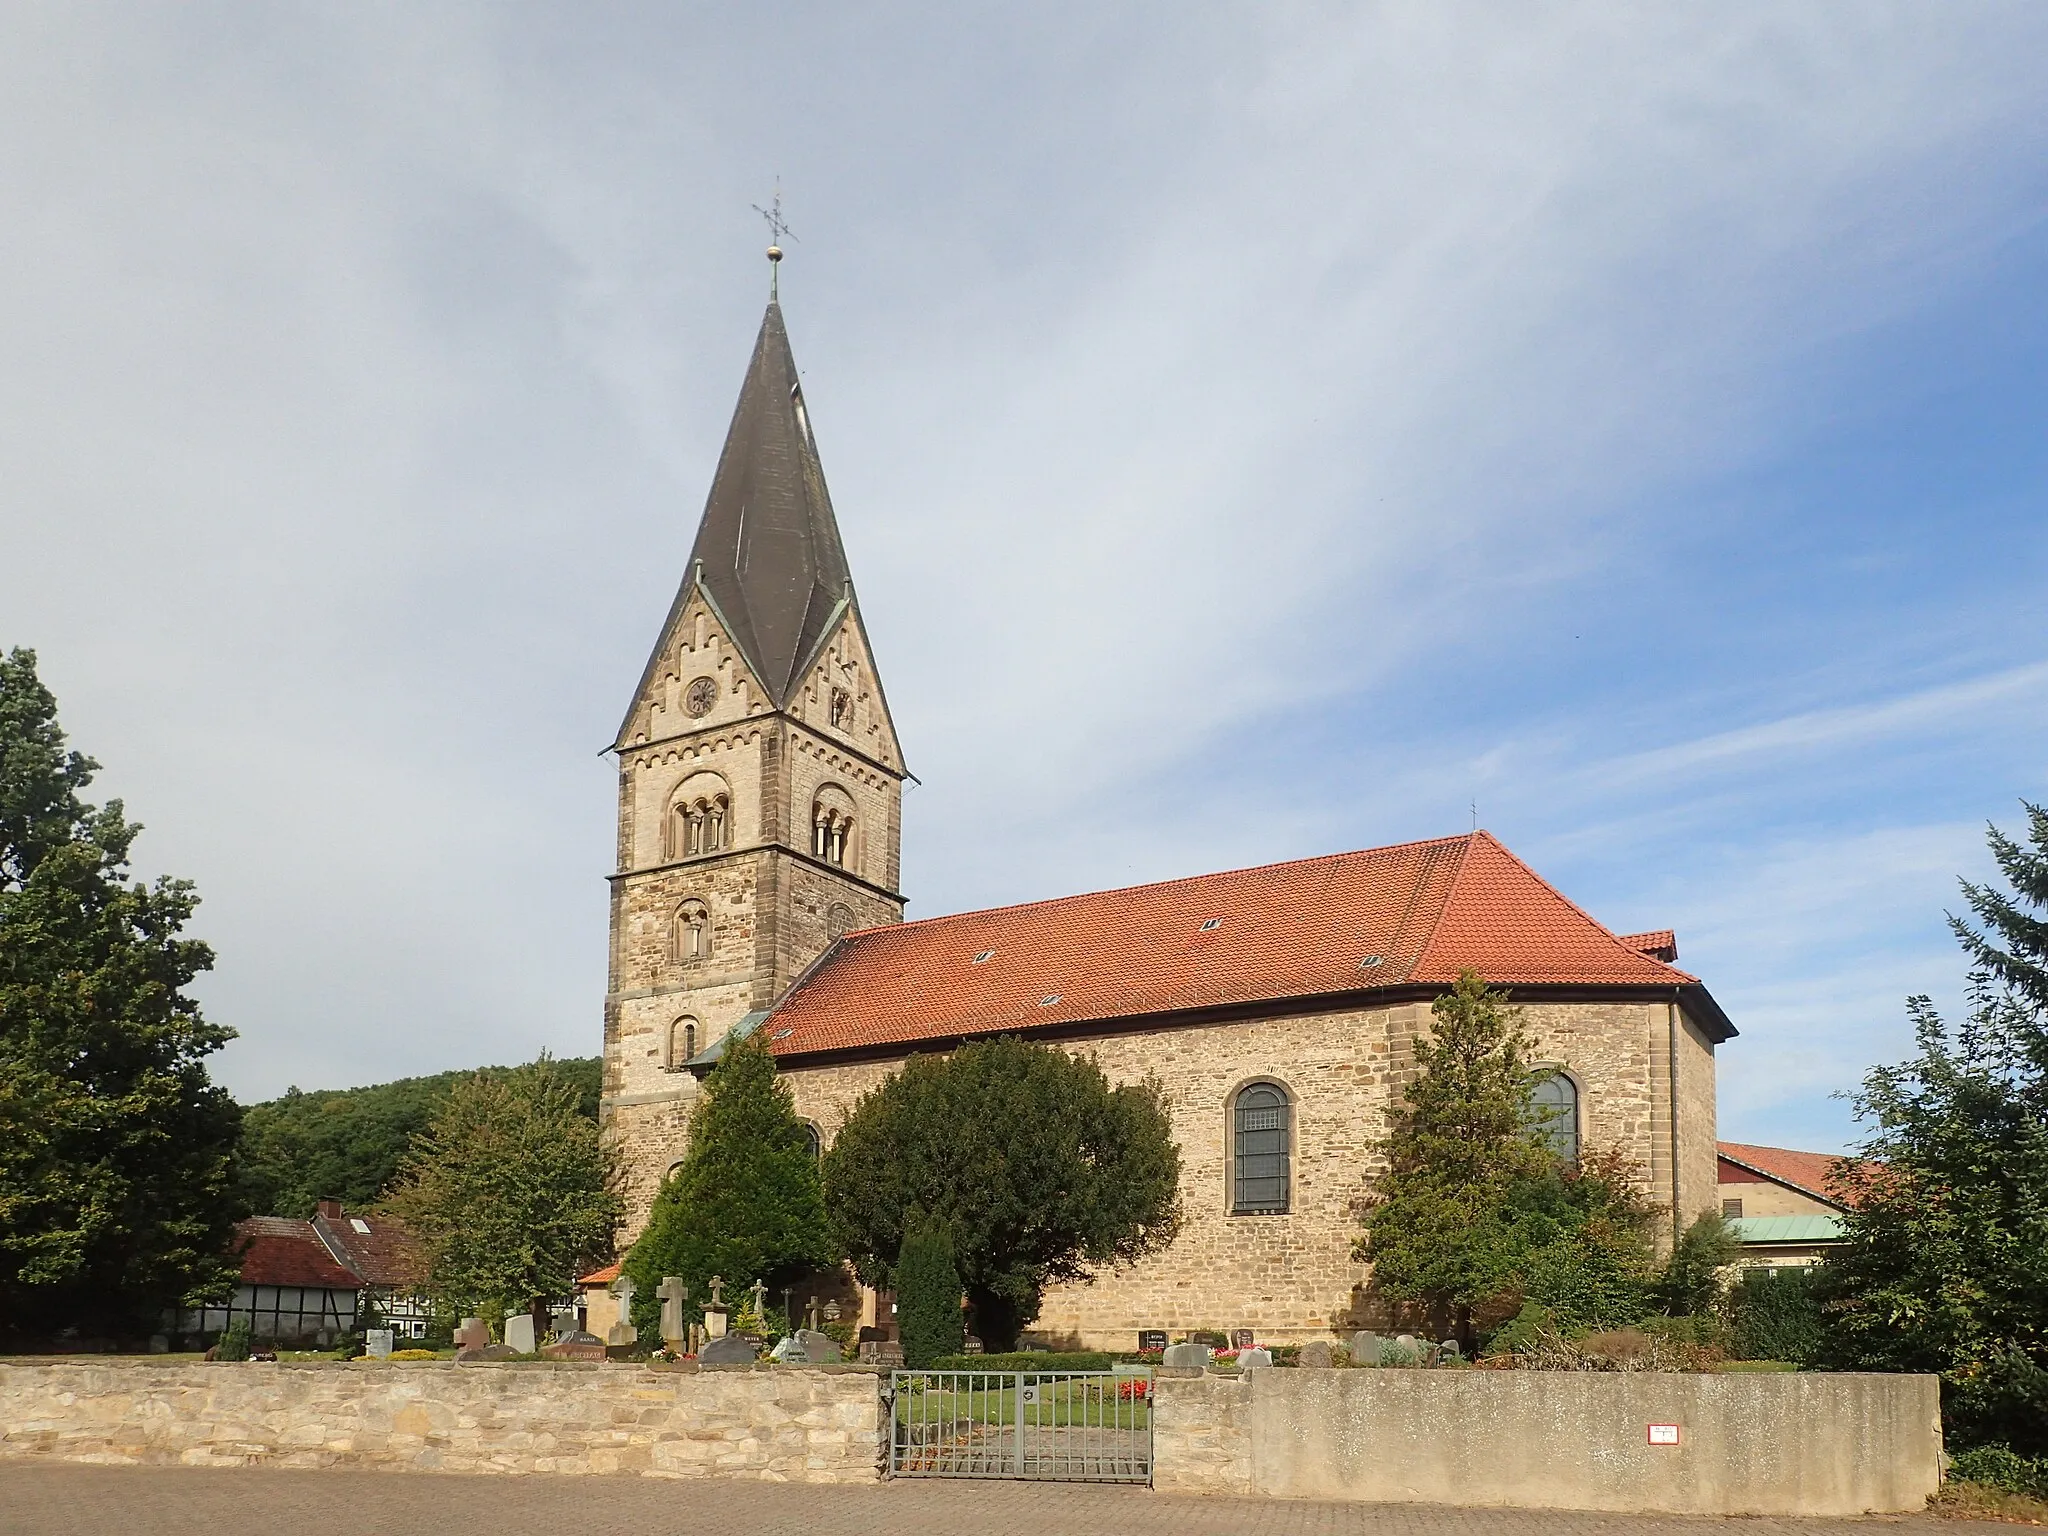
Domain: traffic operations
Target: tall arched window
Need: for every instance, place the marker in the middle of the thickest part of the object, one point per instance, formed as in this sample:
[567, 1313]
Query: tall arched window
[699, 817]
[813, 1140]
[832, 826]
[1261, 1127]
[682, 1042]
[1554, 1105]
[693, 932]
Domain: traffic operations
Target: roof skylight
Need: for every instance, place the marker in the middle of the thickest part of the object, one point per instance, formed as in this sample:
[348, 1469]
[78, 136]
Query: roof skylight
[985, 956]
[1048, 1000]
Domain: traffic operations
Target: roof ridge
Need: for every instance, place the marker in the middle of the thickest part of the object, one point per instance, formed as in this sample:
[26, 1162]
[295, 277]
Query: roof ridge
[1155, 885]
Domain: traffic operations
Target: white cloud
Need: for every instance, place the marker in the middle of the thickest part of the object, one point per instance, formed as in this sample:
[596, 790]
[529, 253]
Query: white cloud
[1177, 373]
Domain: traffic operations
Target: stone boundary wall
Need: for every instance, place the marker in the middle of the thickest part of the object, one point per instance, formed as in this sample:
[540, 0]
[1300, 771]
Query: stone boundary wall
[1748, 1443]
[786, 1424]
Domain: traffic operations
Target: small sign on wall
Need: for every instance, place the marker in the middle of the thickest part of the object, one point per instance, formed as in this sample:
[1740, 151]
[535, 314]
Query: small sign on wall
[1663, 1434]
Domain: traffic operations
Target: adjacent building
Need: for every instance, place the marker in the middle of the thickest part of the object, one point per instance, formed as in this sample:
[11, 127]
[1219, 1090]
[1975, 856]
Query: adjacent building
[1784, 1206]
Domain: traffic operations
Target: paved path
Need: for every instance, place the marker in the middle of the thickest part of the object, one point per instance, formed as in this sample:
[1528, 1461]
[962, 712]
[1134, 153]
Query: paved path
[45, 1498]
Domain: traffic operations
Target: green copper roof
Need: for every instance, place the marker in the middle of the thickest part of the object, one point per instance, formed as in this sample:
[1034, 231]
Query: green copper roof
[1787, 1229]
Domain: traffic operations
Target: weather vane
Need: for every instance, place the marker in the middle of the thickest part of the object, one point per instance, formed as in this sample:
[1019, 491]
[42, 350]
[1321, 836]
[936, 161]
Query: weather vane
[777, 228]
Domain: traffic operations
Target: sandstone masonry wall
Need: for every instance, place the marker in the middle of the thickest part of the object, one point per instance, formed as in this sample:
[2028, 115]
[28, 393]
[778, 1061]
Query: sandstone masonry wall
[784, 1425]
[1291, 1277]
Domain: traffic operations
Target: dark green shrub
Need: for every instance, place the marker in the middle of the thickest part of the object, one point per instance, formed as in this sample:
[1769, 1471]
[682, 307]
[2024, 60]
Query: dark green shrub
[1996, 1466]
[1024, 1360]
[1691, 1282]
[1773, 1314]
[928, 1294]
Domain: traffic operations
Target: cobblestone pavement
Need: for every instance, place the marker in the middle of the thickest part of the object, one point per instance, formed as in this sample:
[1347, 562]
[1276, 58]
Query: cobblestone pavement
[42, 1498]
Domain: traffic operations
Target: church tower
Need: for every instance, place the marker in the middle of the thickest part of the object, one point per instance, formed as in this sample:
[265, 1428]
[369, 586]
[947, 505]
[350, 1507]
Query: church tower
[760, 780]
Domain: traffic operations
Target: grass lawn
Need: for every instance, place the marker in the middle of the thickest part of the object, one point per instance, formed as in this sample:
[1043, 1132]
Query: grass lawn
[1093, 1404]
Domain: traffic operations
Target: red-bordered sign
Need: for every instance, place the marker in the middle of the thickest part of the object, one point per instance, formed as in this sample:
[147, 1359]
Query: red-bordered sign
[1663, 1434]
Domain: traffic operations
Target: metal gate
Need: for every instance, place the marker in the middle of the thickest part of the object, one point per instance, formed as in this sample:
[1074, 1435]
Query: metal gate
[1058, 1426]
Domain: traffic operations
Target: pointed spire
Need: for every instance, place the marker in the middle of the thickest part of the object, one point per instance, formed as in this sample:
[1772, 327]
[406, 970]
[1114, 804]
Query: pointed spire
[768, 551]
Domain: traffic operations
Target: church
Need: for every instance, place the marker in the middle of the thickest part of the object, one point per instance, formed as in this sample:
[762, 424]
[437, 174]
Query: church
[758, 886]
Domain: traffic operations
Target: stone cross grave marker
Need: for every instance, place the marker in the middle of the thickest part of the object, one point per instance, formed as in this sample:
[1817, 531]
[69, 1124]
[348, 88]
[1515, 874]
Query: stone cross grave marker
[714, 1312]
[562, 1320]
[760, 1294]
[673, 1294]
[472, 1334]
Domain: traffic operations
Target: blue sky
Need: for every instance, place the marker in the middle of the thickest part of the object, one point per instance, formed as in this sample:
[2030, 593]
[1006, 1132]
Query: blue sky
[1256, 433]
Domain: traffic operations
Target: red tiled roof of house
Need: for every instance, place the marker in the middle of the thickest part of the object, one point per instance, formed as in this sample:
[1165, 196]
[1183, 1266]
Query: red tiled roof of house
[1811, 1173]
[1413, 914]
[281, 1251]
[383, 1255]
[603, 1276]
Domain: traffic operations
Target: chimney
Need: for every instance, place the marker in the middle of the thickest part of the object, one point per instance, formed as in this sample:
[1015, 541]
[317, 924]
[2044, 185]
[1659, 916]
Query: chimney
[331, 1209]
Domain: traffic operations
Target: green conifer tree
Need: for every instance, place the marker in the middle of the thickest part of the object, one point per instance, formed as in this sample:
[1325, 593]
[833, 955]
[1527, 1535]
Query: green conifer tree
[1448, 1224]
[928, 1294]
[116, 1151]
[745, 1203]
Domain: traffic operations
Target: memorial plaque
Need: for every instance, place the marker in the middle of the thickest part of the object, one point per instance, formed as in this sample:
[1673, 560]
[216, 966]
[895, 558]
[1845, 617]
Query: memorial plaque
[1151, 1338]
[1241, 1338]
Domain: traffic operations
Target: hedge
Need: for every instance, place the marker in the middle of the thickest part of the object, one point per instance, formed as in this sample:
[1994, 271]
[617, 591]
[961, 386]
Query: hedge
[1026, 1360]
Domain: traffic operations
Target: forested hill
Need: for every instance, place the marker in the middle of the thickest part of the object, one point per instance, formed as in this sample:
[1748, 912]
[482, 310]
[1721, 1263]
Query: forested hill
[346, 1143]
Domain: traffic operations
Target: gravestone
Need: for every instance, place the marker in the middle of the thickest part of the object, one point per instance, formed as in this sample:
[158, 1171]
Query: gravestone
[563, 1321]
[622, 1334]
[730, 1349]
[377, 1343]
[575, 1345]
[1182, 1356]
[519, 1332]
[1241, 1338]
[1151, 1338]
[715, 1310]
[818, 1348]
[1247, 1358]
[1318, 1355]
[1365, 1347]
[673, 1294]
[471, 1339]
[881, 1352]
[970, 1345]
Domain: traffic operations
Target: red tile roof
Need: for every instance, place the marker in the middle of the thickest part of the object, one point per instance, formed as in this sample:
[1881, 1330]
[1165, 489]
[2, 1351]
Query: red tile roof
[603, 1276]
[1414, 914]
[1658, 944]
[1811, 1173]
[382, 1256]
[281, 1251]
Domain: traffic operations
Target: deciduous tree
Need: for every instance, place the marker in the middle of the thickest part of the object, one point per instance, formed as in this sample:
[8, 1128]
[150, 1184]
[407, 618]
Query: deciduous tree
[508, 1193]
[1039, 1169]
[115, 1148]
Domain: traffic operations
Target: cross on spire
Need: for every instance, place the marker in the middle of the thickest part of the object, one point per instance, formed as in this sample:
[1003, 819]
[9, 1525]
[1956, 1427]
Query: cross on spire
[777, 228]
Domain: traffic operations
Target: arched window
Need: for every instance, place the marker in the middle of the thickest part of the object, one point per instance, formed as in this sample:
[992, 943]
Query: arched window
[832, 826]
[699, 817]
[682, 1042]
[693, 932]
[813, 1140]
[842, 706]
[1261, 1128]
[1554, 1106]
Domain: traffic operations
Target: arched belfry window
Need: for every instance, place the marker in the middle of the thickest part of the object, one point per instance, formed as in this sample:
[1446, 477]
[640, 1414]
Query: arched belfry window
[682, 1042]
[693, 932]
[1261, 1133]
[1554, 1105]
[699, 817]
[832, 828]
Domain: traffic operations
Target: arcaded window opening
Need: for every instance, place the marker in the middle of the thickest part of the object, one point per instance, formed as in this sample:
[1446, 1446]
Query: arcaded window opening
[682, 1042]
[700, 818]
[693, 932]
[832, 827]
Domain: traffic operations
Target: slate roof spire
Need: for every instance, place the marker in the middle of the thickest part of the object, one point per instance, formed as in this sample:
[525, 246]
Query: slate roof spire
[768, 553]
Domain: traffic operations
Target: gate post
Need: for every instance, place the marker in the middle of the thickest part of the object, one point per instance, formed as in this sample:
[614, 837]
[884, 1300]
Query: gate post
[1019, 1467]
